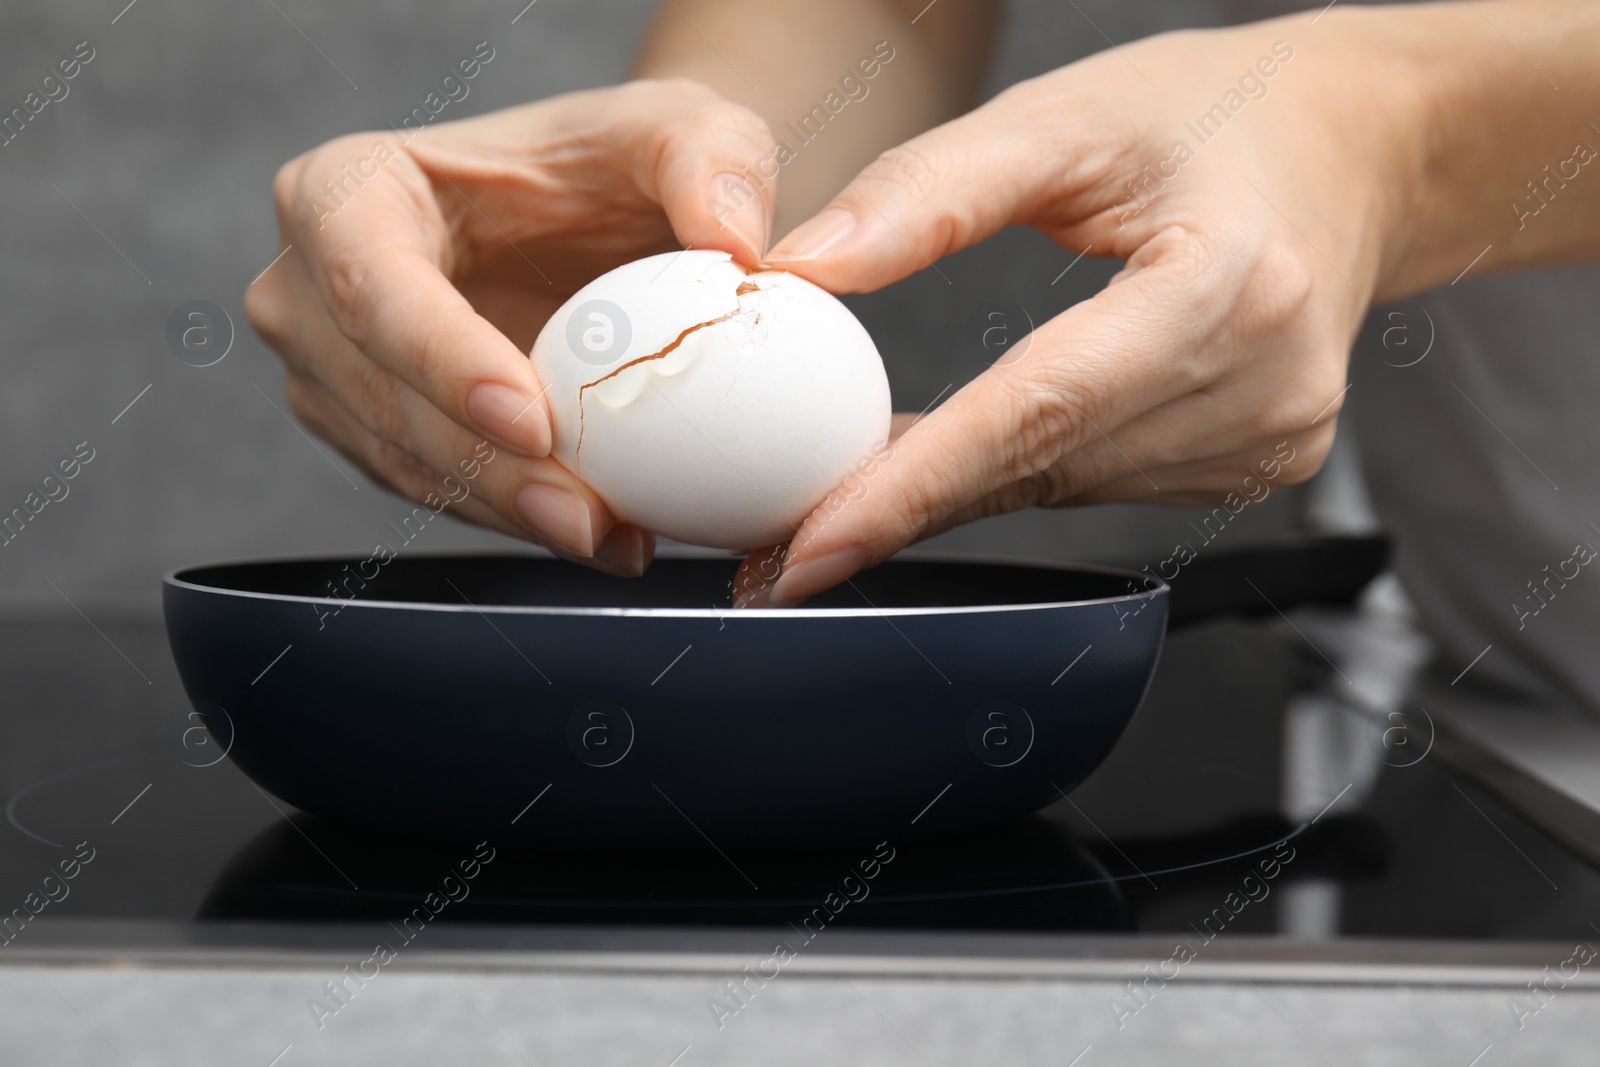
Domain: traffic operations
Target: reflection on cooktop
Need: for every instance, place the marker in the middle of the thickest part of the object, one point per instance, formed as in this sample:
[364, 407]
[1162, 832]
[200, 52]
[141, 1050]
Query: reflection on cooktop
[268, 863]
[1176, 834]
[1033, 875]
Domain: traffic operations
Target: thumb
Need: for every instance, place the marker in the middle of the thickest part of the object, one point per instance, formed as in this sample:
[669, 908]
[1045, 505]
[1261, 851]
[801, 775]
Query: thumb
[714, 173]
[933, 195]
[1006, 440]
[586, 160]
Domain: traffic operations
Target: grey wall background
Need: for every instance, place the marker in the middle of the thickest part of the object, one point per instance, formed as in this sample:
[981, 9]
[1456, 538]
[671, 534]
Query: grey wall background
[165, 147]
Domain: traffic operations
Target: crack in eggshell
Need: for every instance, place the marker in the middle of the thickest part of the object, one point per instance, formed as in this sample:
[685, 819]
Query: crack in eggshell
[785, 389]
[745, 288]
[660, 354]
[753, 333]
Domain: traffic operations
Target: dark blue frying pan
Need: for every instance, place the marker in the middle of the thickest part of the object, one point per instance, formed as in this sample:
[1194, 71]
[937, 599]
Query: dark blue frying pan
[527, 699]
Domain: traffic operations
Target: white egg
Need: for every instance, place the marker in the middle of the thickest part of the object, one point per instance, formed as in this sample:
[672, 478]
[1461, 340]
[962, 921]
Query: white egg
[711, 405]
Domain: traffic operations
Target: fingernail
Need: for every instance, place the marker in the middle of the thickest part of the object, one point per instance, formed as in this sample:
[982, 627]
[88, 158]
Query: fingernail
[510, 416]
[738, 207]
[816, 237]
[754, 580]
[559, 514]
[805, 579]
[753, 592]
[623, 551]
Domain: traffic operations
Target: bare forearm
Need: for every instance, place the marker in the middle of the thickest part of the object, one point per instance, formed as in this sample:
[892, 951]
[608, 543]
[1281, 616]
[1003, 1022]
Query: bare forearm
[803, 66]
[1508, 149]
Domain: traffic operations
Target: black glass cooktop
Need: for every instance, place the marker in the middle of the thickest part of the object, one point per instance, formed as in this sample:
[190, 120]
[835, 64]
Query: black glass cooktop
[119, 806]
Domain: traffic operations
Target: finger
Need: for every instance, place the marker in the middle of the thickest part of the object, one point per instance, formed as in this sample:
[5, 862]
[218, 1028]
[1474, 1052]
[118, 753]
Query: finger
[752, 583]
[379, 266]
[709, 163]
[900, 422]
[1234, 481]
[625, 551]
[1226, 484]
[1128, 470]
[937, 193]
[1091, 369]
[393, 468]
[716, 167]
[1204, 439]
[538, 494]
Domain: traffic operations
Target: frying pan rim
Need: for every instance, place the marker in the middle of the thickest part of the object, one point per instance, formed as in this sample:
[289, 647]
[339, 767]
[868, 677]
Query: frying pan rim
[172, 579]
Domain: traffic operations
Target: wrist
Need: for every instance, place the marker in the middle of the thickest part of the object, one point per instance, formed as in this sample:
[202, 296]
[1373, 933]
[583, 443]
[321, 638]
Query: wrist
[1487, 148]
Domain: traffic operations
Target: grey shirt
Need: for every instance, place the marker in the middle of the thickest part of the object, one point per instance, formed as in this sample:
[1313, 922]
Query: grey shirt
[1483, 461]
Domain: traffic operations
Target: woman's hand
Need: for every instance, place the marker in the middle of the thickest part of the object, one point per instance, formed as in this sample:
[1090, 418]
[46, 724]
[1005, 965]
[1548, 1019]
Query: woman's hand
[1258, 191]
[417, 274]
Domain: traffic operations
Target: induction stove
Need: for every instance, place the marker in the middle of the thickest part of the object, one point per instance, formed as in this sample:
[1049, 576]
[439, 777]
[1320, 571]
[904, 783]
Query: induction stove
[1178, 836]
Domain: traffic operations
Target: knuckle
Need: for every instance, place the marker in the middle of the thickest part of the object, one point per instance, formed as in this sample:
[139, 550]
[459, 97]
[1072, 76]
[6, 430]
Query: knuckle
[738, 121]
[911, 166]
[1085, 471]
[301, 394]
[348, 296]
[286, 185]
[1062, 483]
[1310, 453]
[679, 87]
[429, 373]
[264, 307]
[378, 402]
[1048, 413]
[911, 174]
[1293, 411]
[295, 192]
[1299, 475]
[400, 469]
[1282, 285]
[1036, 491]
[919, 502]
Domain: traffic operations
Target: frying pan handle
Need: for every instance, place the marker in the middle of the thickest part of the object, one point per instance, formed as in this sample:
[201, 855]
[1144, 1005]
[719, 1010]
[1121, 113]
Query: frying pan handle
[1275, 577]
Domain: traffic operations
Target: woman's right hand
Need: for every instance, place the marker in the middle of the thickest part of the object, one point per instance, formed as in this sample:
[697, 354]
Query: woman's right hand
[415, 275]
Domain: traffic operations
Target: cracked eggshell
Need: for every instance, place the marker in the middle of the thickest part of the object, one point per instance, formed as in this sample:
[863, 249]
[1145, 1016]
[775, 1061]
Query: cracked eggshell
[710, 405]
